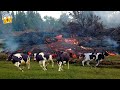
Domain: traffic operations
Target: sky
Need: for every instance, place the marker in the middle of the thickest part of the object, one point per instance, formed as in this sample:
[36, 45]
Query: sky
[55, 14]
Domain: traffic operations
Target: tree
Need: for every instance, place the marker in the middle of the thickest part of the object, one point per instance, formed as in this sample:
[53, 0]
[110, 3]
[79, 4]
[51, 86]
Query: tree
[13, 21]
[89, 23]
[64, 18]
[38, 21]
[34, 20]
[50, 23]
[20, 21]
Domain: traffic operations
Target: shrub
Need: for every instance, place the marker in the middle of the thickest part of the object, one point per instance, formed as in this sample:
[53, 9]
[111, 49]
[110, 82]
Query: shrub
[3, 56]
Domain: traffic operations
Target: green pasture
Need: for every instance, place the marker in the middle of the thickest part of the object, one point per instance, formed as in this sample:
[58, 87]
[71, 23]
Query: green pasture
[76, 71]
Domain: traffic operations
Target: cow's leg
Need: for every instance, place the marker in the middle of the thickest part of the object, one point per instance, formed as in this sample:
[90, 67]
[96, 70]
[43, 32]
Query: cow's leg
[44, 64]
[62, 67]
[98, 62]
[88, 62]
[17, 64]
[28, 64]
[22, 64]
[59, 65]
[68, 64]
[64, 62]
[21, 69]
[52, 63]
[83, 62]
[40, 63]
[51, 59]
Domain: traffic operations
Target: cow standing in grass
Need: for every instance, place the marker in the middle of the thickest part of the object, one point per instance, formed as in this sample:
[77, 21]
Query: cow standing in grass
[19, 59]
[98, 57]
[87, 57]
[42, 58]
[62, 58]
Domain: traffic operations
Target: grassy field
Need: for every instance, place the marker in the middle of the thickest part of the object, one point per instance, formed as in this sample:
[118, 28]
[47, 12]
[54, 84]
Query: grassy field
[76, 71]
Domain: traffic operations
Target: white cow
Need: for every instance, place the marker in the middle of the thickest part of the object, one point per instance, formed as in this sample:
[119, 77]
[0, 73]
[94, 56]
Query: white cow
[42, 58]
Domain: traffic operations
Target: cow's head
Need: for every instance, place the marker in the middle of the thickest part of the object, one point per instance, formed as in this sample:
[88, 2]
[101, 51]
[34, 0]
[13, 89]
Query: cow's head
[106, 53]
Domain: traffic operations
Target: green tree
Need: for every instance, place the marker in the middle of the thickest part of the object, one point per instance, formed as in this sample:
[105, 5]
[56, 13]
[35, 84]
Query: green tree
[34, 20]
[20, 23]
[13, 21]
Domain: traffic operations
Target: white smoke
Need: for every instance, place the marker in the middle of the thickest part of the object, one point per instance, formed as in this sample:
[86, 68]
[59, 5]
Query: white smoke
[9, 40]
[111, 42]
[110, 18]
[11, 45]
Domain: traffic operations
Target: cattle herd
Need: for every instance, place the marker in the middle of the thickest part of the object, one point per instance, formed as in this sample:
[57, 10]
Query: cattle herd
[61, 57]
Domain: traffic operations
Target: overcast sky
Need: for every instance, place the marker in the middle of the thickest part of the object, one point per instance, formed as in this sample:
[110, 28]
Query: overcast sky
[55, 14]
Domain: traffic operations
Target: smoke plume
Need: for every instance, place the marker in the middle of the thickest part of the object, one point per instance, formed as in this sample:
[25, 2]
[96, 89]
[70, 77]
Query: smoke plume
[111, 42]
[110, 18]
[9, 40]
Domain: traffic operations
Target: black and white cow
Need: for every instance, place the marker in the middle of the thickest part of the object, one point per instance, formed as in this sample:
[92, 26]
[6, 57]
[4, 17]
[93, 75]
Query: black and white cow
[42, 58]
[62, 58]
[98, 57]
[87, 57]
[19, 59]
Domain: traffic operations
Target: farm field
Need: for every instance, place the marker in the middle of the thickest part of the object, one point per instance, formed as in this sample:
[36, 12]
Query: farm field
[76, 71]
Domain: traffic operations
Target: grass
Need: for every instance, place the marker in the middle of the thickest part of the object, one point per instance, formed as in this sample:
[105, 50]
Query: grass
[76, 71]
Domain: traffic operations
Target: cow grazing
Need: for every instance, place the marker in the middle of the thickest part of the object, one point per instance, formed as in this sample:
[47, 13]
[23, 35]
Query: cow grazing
[62, 58]
[98, 57]
[42, 58]
[19, 59]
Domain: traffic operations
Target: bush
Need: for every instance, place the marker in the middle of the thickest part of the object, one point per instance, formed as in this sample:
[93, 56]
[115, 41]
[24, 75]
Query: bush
[3, 56]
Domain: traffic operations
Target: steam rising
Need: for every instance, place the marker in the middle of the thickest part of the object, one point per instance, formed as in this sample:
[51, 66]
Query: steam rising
[10, 43]
[111, 42]
[110, 18]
